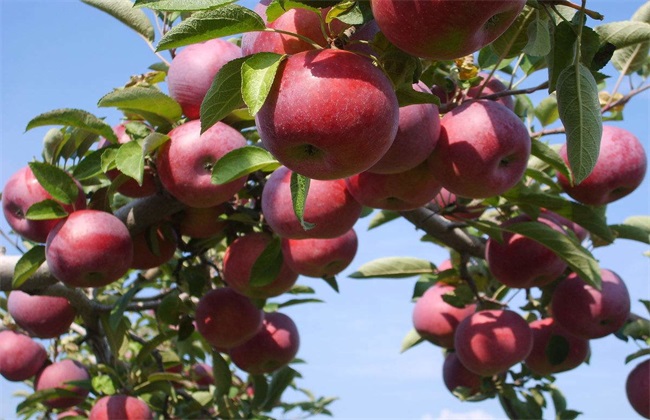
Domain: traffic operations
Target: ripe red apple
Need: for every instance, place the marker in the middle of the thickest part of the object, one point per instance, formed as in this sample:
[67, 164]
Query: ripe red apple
[74, 412]
[273, 347]
[130, 186]
[123, 407]
[192, 71]
[203, 222]
[620, 169]
[493, 85]
[20, 356]
[201, 374]
[41, 316]
[457, 208]
[226, 318]
[329, 205]
[402, 191]
[320, 257]
[589, 313]
[489, 342]
[454, 374]
[238, 263]
[441, 29]
[153, 246]
[436, 320]
[521, 262]
[57, 375]
[185, 163]
[20, 192]
[417, 135]
[554, 349]
[482, 151]
[637, 388]
[90, 248]
[314, 129]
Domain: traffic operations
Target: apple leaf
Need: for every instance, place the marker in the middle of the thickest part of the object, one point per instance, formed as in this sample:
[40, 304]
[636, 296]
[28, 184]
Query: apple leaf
[73, 118]
[139, 98]
[224, 95]
[460, 296]
[636, 228]
[241, 162]
[539, 38]
[515, 38]
[546, 112]
[411, 339]
[331, 281]
[382, 217]
[280, 380]
[406, 95]
[549, 155]
[632, 58]
[637, 354]
[152, 142]
[46, 210]
[637, 329]
[104, 384]
[123, 11]
[27, 265]
[116, 337]
[581, 261]
[624, 34]
[108, 158]
[579, 108]
[228, 20]
[117, 312]
[557, 349]
[292, 302]
[258, 73]
[394, 267]
[130, 160]
[222, 374]
[181, 5]
[278, 8]
[44, 395]
[561, 55]
[268, 265]
[56, 182]
[491, 229]
[299, 190]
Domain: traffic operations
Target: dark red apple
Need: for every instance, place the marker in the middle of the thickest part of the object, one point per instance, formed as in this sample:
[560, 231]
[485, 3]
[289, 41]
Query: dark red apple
[329, 205]
[41, 316]
[20, 192]
[193, 69]
[153, 246]
[185, 163]
[554, 349]
[201, 223]
[122, 407]
[314, 129]
[455, 375]
[482, 151]
[91, 248]
[56, 376]
[637, 388]
[20, 356]
[320, 257]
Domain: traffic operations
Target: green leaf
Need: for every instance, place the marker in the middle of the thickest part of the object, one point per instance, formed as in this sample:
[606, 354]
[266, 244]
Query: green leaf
[633, 58]
[331, 281]
[147, 350]
[411, 339]
[546, 112]
[258, 73]
[139, 98]
[625, 33]
[117, 312]
[539, 38]
[637, 354]
[394, 267]
[27, 265]
[116, 337]
[224, 95]
[46, 210]
[130, 160]
[515, 38]
[460, 296]
[557, 349]
[261, 388]
[581, 261]
[104, 384]
[278, 7]
[636, 228]
[299, 190]
[222, 374]
[181, 5]
[351, 12]
[73, 118]
[225, 21]
[268, 265]
[152, 142]
[559, 401]
[292, 302]
[56, 182]
[549, 155]
[241, 162]
[579, 108]
[279, 383]
[382, 217]
[46, 394]
[562, 52]
[406, 95]
[123, 11]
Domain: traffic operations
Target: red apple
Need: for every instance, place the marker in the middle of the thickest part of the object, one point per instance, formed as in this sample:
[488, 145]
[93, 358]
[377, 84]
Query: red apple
[521, 262]
[74, 412]
[153, 246]
[620, 169]
[329, 205]
[587, 312]
[489, 342]
[20, 192]
[402, 191]
[238, 263]
[122, 407]
[554, 349]
[637, 388]
[482, 151]
[442, 29]
[203, 222]
[90, 248]
[226, 319]
[273, 347]
[454, 374]
[192, 71]
[492, 86]
[314, 129]
[56, 376]
[436, 320]
[41, 316]
[320, 257]
[20, 356]
[201, 374]
[185, 163]
[457, 208]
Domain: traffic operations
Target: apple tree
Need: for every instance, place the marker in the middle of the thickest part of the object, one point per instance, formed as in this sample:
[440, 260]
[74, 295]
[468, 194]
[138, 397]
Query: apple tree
[193, 217]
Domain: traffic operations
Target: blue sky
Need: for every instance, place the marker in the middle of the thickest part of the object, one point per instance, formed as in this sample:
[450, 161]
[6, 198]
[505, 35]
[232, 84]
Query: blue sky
[57, 53]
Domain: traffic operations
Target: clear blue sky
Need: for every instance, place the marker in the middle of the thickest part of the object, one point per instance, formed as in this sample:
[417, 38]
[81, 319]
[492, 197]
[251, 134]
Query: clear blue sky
[56, 54]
